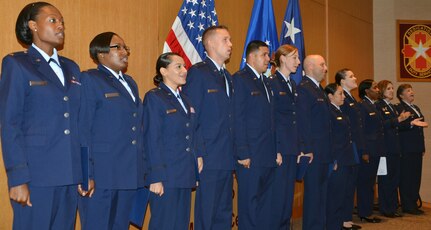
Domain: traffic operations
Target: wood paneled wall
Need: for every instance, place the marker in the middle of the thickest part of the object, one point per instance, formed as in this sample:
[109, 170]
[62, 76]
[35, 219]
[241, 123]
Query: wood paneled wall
[341, 31]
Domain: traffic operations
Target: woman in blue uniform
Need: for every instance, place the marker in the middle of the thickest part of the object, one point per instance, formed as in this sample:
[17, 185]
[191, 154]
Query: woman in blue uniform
[39, 104]
[285, 98]
[412, 150]
[388, 184]
[343, 154]
[373, 149]
[111, 128]
[171, 169]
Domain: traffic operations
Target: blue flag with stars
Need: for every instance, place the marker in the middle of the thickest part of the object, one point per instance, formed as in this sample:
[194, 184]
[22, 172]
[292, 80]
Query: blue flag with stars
[291, 33]
[262, 27]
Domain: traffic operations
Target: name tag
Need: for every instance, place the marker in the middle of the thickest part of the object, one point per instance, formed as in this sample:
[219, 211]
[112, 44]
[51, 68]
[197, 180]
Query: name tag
[38, 83]
[339, 118]
[192, 110]
[320, 99]
[212, 90]
[255, 93]
[110, 95]
[352, 104]
[372, 114]
[387, 113]
[169, 111]
[282, 93]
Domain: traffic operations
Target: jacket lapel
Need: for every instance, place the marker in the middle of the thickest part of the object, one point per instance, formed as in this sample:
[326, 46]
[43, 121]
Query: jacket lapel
[43, 68]
[117, 84]
[173, 99]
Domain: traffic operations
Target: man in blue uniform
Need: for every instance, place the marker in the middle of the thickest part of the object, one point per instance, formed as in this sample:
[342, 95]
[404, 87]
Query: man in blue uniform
[254, 139]
[210, 90]
[314, 123]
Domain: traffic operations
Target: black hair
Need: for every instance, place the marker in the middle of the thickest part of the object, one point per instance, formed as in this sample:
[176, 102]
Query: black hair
[253, 46]
[331, 88]
[162, 62]
[100, 44]
[29, 12]
[363, 86]
[401, 89]
[340, 75]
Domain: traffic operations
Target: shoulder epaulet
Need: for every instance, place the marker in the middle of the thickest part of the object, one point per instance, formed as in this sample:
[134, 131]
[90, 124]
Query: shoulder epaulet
[19, 53]
[272, 76]
[155, 89]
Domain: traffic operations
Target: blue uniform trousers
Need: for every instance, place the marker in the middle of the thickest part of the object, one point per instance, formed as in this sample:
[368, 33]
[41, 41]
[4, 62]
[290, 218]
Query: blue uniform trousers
[213, 203]
[388, 186]
[107, 209]
[366, 181]
[315, 189]
[349, 198]
[283, 192]
[337, 190]
[171, 211]
[410, 180]
[255, 187]
[53, 208]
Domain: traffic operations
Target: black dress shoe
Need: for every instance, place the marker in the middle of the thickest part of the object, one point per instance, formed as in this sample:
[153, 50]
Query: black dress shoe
[370, 220]
[355, 226]
[389, 215]
[397, 214]
[348, 228]
[414, 212]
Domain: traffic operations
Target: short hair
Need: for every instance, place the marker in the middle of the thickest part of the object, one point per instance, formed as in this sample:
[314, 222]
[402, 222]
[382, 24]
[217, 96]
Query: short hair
[210, 31]
[382, 85]
[29, 12]
[401, 89]
[331, 88]
[100, 44]
[283, 50]
[254, 46]
[340, 75]
[363, 86]
[162, 62]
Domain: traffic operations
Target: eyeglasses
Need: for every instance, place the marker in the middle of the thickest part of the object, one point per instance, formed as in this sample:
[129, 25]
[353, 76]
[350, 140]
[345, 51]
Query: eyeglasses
[120, 47]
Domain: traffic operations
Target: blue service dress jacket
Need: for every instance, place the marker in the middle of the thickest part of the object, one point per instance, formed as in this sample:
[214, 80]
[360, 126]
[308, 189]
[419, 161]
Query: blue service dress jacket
[285, 115]
[254, 121]
[391, 127]
[39, 121]
[374, 135]
[214, 114]
[411, 137]
[111, 128]
[314, 121]
[342, 139]
[170, 139]
[352, 110]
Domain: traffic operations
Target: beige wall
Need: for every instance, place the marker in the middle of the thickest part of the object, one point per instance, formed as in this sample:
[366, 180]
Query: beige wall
[341, 31]
[386, 12]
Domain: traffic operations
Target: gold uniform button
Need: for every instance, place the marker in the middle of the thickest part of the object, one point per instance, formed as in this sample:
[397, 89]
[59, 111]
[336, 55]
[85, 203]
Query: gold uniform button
[66, 131]
[65, 98]
[134, 142]
[66, 115]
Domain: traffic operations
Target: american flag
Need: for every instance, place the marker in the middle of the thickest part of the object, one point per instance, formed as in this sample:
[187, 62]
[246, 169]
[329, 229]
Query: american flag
[185, 36]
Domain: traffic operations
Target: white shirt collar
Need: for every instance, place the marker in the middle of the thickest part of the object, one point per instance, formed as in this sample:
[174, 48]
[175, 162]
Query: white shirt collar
[215, 63]
[45, 55]
[313, 80]
[372, 102]
[175, 92]
[254, 71]
[336, 106]
[116, 75]
[285, 78]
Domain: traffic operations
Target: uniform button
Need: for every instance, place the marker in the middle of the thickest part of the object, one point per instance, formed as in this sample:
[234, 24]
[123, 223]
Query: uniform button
[66, 115]
[134, 128]
[135, 114]
[187, 137]
[188, 149]
[134, 142]
[293, 113]
[65, 98]
[294, 122]
[350, 142]
[230, 115]
[66, 131]
[187, 124]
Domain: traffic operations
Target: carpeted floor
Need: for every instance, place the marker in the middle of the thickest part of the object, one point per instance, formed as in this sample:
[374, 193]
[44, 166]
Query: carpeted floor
[407, 222]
